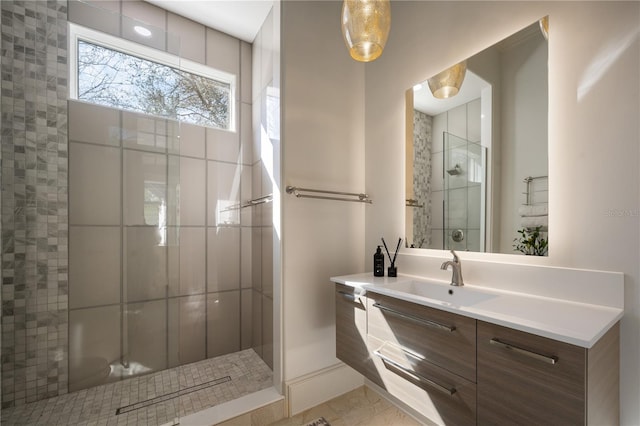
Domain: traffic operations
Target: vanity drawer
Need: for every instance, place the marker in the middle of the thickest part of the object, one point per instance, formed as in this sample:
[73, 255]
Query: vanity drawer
[528, 379]
[351, 329]
[442, 338]
[432, 391]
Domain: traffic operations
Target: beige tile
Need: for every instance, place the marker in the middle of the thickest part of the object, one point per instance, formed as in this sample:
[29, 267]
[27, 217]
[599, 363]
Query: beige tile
[94, 345]
[246, 321]
[256, 258]
[223, 323]
[103, 16]
[141, 131]
[188, 259]
[268, 49]
[457, 121]
[256, 328]
[223, 145]
[256, 125]
[158, 37]
[145, 263]
[94, 185]
[149, 16]
[245, 257]
[192, 140]
[187, 330]
[223, 52]
[192, 37]
[223, 259]
[94, 266]
[93, 123]
[146, 327]
[246, 134]
[246, 193]
[245, 73]
[267, 331]
[474, 115]
[192, 192]
[223, 189]
[145, 188]
[267, 261]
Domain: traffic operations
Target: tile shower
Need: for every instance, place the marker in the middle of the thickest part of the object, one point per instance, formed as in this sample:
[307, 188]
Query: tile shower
[146, 264]
[449, 179]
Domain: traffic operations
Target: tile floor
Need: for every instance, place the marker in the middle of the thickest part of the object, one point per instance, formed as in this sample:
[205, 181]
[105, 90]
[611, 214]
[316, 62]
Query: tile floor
[152, 399]
[361, 406]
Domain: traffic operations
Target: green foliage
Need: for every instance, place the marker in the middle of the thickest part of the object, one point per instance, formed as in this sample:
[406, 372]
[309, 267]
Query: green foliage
[531, 242]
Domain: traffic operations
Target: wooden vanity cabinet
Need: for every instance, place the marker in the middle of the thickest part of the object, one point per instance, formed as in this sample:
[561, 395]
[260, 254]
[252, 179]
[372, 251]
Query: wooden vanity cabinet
[457, 370]
[442, 338]
[526, 379]
[425, 357]
[351, 330]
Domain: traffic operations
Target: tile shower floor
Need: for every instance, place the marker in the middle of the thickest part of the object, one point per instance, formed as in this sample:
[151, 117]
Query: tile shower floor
[152, 399]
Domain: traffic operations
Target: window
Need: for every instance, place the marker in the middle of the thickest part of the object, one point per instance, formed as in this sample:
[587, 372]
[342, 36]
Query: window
[121, 74]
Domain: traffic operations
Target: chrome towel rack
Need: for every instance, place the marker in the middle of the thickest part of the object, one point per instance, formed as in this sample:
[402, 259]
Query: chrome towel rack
[250, 203]
[343, 196]
[530, 191]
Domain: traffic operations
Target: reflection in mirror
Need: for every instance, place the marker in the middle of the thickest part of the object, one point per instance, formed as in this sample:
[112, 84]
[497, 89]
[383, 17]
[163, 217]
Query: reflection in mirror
[477, 161]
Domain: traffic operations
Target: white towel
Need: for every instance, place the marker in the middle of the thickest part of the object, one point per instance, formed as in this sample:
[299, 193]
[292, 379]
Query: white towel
[535, 221]
[539, 210]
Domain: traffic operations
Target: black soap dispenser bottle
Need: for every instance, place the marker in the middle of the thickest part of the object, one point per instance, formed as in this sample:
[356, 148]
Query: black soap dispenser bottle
[378, 263]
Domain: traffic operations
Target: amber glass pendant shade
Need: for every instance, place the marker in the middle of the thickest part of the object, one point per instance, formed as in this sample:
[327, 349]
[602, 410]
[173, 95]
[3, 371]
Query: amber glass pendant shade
[365, 27]
[447, 83]
[544, 27]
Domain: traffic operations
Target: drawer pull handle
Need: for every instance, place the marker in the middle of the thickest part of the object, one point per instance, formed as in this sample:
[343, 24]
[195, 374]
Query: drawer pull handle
[419, 377]
[348, 296]
[544, 358]
[449, 328]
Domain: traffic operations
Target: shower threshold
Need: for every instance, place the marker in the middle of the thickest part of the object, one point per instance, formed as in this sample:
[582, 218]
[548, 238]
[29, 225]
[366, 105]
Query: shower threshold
[153, 399]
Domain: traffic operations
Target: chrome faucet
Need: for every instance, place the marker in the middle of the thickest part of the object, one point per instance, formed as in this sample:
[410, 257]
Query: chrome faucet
[456, 267]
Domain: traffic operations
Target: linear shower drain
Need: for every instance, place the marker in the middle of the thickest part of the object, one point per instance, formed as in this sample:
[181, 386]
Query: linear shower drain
[172, 395]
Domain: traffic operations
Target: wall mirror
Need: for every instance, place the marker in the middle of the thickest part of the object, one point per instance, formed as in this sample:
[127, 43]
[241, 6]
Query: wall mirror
[477, 160]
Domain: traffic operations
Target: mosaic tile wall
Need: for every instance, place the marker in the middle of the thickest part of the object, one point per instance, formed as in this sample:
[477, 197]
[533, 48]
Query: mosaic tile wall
[34, 200]
[422, 124]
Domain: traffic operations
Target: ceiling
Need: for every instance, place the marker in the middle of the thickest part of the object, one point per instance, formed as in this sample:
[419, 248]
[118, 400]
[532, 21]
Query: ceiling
[239, 18]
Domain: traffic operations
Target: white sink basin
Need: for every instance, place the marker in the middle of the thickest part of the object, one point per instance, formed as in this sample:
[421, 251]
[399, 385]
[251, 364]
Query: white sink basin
[441, 292]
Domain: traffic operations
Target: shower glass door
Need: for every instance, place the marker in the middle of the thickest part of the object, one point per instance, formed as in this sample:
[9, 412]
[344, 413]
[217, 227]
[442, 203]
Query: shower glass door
[126, 305]
[464, 195]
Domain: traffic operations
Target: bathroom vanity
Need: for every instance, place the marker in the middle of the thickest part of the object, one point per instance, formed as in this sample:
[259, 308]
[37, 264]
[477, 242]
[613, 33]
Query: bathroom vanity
[473, 355]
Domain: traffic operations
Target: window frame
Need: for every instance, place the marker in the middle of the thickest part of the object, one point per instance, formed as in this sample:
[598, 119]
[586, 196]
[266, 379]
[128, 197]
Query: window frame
[79, 33]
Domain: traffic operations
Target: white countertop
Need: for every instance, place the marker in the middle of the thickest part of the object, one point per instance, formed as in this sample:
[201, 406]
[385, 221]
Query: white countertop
[576, 323]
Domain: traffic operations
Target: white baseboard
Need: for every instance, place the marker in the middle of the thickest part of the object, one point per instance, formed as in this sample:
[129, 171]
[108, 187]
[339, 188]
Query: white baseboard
[320, 386]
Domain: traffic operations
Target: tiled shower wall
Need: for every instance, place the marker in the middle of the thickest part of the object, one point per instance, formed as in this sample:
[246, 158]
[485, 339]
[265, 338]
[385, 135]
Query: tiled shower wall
[264, 165]
[460, 194]
[422, 136]
[35, 207]
[34, 200]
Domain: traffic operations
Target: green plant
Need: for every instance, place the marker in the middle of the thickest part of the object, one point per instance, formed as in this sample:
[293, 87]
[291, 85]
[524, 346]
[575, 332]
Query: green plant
[531, 242]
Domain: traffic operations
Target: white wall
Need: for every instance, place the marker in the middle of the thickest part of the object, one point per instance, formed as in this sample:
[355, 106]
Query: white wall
[323, 148]
[523, 131]
[594, 63]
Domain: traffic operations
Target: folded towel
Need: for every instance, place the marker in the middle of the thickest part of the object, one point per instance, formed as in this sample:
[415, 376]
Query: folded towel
[539, 210]
[535, 221]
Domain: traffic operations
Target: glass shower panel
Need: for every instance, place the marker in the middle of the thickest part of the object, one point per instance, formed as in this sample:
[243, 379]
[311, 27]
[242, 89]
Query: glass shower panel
[464, 188]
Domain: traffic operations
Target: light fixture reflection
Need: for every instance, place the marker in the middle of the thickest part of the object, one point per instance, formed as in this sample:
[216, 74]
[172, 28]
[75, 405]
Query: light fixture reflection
[447, 83]
[144, 32]
[544, 27]
[365, 27]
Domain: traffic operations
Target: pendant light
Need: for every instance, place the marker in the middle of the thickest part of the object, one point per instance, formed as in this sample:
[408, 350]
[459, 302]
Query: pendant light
[544, 27]
[365, 27]
[447, 83]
